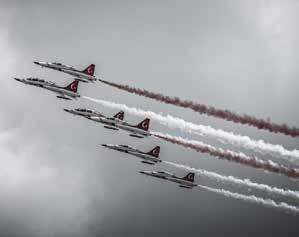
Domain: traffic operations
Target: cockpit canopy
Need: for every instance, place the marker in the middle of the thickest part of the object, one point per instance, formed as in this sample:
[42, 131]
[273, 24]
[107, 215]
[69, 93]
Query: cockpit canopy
[62, 65]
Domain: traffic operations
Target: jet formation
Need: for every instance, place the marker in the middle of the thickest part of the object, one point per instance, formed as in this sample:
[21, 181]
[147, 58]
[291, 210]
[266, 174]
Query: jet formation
[115, 122]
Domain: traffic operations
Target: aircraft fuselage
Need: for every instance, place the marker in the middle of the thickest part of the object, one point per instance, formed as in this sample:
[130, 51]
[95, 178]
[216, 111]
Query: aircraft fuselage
[79, 75]
[135, 132]
[170, 177]
[149, 159]
[105, 120]
[84, 112]
[62, 92]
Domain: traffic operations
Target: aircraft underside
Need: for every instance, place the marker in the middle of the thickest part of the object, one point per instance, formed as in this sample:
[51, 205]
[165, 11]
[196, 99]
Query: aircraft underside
[63, 97]
[136, 135]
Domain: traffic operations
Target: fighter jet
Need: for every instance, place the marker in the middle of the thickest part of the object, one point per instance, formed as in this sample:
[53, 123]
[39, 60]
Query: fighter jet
[84, 112]
[67, 93]
[184, 182]
[139, 131]
[109, 122]
[151, 157]
[85, 75]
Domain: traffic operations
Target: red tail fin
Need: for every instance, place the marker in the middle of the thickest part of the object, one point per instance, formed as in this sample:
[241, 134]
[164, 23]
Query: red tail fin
[189, 177]
[155, 152]
[144, 125]
[120, 115]
[73, 86]
[89, 70]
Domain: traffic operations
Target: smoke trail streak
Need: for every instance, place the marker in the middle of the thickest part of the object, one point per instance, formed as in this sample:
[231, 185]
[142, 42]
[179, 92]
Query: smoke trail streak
[240, 182]
[211, 111]
[230, 155]
[234, 139]
[253, 199]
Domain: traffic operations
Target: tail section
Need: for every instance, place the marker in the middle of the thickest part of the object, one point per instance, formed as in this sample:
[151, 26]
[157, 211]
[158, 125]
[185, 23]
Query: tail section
[155, 152]
[120, 115]
[189, 177]
[73, 86]
[144, 125]
[89, 70]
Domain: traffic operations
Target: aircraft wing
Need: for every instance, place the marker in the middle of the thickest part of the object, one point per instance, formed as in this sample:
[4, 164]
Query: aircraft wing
[185, 186]
[64, 97]
[136, 135]
[148, 162]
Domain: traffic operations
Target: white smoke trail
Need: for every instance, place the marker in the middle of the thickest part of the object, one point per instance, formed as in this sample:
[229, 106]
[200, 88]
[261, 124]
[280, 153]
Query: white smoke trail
[233, 180]
[234, 139]
[254, 199]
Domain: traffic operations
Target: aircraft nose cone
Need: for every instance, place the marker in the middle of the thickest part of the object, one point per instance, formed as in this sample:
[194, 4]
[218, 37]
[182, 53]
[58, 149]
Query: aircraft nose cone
[66, 110]
[36, 62]
[105, 145]
[17, 79]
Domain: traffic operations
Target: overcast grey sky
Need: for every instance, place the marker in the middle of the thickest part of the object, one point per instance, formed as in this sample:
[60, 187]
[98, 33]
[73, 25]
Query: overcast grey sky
[55, 179]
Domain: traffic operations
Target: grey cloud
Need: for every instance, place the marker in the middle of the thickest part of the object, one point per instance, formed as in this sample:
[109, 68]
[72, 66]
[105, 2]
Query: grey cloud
[57, 181]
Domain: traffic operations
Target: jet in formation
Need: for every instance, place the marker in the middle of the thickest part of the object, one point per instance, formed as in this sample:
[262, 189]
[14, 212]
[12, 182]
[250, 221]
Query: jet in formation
[84, 112]
[151, 157]
[86, 75]
[140, 130]
[184, 182]
[67, 93]
[109, 122]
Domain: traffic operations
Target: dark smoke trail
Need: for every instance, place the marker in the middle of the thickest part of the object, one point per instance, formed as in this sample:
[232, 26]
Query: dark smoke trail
[211, 111]
[230, 155]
